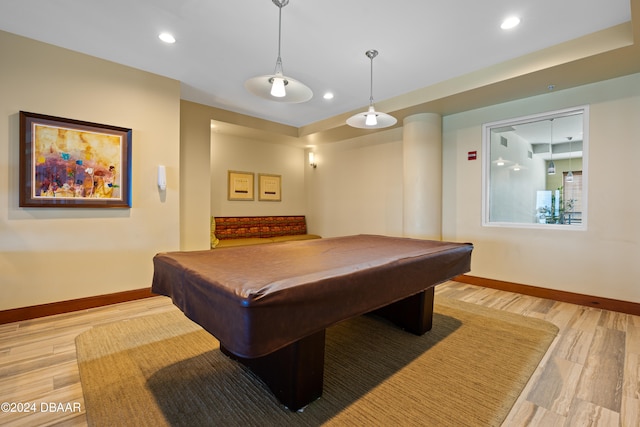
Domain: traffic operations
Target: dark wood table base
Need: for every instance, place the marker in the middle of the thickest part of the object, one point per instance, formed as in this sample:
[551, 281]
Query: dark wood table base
[413, 314]
[294, 374]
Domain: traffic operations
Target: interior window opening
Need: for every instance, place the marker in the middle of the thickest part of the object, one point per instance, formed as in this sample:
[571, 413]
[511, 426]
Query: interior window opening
[534, 171]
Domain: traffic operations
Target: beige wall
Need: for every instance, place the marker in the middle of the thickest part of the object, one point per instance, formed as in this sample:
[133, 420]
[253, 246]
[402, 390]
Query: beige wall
[195, 172]
[357, 186]
[601, 261]
[248, 155]
[54, 254]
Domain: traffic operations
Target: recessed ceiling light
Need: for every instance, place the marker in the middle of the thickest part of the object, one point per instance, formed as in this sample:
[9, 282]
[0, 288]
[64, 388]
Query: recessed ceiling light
[167, 38]
[510, 22]
[328, 95]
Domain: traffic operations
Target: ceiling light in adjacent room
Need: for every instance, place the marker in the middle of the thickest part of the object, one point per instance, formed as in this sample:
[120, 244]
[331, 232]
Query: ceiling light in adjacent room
[371, 119]
[569, 177]
[167, 38]
[510, 22]
[277, 86]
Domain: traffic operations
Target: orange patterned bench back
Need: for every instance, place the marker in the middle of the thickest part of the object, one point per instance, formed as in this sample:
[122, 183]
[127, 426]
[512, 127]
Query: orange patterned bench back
[240, 227]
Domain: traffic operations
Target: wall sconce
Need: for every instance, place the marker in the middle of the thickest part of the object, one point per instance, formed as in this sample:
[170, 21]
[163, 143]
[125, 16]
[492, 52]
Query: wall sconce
[312, 160]
[162, 177]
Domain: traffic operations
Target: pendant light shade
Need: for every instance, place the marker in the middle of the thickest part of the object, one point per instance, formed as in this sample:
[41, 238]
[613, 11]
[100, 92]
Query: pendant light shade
[277, 86]
[569, 177]
[371, 119]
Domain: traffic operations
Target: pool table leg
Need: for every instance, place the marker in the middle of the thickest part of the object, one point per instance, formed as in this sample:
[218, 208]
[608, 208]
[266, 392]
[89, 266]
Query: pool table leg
[414, 313]
[294, 374]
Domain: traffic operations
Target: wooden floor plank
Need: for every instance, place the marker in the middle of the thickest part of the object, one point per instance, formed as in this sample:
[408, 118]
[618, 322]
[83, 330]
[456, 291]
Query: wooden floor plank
[630, 412]
[557, 386]
[588, 414]
[528, 414]
[574, 346]
[603, 374]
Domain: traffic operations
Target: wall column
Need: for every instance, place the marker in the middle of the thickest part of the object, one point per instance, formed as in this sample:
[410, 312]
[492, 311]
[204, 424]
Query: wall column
[195, 176]
[422, 170]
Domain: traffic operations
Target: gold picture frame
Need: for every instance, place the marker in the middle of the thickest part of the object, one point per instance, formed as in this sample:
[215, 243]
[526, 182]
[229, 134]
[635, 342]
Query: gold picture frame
[269, 187]
[240, 185]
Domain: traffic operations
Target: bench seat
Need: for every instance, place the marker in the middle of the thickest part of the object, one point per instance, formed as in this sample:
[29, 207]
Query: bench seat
[257, 230]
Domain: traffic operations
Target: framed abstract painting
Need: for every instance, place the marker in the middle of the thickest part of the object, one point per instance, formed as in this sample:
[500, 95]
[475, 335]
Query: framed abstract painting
[73, 164]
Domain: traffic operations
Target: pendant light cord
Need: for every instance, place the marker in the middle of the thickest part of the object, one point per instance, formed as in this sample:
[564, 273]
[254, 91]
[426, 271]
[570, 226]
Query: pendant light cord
[551, 141]
[371, 54]
[371, 84]
[279, 30]
[280, 4]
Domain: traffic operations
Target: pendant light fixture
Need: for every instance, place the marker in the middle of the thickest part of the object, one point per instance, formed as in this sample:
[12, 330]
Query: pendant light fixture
[569, 177]
[552, 166]
[371, 119]
[276, 86]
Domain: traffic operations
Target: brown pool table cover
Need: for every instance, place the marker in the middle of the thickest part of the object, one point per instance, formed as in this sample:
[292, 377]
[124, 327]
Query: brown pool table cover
[258, 299]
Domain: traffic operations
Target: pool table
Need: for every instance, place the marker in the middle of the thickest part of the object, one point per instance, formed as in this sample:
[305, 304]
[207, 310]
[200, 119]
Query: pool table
[269, 305]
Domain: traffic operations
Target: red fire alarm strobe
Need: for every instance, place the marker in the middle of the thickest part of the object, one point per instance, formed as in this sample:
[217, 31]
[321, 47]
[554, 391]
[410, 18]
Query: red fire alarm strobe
[472, 155]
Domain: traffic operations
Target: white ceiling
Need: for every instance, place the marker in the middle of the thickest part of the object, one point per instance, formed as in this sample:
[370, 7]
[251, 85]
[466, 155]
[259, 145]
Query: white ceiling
[222, 44]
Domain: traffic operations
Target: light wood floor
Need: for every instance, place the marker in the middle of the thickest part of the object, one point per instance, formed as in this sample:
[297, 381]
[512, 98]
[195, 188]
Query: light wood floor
[589, 377]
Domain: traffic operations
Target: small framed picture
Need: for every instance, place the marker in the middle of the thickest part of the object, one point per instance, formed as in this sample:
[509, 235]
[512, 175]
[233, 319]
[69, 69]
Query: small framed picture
[240, 186]
[269, 187]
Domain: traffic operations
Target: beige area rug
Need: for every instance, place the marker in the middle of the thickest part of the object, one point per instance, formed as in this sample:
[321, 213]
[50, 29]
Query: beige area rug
[165, 370]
